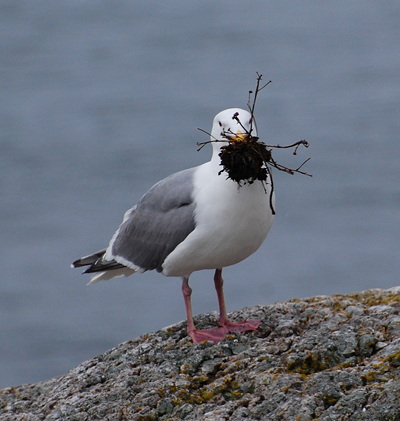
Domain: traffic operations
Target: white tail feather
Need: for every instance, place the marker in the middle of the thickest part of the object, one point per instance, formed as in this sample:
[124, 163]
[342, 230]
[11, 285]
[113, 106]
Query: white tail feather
[105, 276]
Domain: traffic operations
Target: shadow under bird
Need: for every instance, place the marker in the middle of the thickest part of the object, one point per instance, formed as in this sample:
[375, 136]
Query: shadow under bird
[192, 220]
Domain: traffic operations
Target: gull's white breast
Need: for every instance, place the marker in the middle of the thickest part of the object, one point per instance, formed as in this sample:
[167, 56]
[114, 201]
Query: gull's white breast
[231, 223]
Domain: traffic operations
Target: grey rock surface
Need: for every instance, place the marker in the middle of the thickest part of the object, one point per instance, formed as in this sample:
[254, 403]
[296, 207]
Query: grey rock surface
[322, 358]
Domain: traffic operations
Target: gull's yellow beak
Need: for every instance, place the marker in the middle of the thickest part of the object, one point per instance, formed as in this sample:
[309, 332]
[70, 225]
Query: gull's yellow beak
[239, 136]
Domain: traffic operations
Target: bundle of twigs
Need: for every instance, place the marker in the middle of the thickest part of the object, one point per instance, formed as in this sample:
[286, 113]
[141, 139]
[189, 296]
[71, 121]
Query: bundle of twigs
[249, 159]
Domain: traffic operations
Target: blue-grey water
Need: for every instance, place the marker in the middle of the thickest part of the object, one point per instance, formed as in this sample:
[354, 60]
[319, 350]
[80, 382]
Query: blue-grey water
[99, 100]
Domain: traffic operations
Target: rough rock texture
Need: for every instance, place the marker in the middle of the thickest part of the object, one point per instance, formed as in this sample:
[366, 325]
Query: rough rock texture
[322, 358]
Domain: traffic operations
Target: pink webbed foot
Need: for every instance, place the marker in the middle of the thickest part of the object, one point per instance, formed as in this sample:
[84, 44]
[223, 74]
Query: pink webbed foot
[214, 334]
[239, 326]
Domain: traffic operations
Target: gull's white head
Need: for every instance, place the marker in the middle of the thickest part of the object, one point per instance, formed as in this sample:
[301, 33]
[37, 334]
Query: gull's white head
[232, 124]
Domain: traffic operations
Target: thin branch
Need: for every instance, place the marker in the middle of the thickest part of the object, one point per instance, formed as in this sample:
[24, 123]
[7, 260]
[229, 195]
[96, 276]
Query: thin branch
[202, 144]
[258, 89]
[298, 168]
[296, 144]
[237, 119]
[204, 131]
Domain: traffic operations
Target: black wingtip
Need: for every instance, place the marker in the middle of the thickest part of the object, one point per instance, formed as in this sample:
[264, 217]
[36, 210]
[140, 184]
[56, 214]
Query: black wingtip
[104, 266]
[96, 263]
[88, 260]
[75, 264]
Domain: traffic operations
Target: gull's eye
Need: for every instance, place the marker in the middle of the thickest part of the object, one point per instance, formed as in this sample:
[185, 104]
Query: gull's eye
[220, 124]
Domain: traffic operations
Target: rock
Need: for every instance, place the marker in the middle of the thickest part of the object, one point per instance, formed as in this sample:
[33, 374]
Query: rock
[322, 358]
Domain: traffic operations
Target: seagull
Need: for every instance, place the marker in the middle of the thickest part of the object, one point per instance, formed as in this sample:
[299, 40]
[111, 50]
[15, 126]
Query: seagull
[192, 220]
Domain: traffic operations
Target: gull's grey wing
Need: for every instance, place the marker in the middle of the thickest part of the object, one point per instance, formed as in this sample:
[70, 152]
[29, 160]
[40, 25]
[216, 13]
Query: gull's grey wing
[161, 220]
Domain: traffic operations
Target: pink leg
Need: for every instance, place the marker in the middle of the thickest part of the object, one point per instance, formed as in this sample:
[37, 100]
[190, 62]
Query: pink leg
[215, 334]
[223, 316]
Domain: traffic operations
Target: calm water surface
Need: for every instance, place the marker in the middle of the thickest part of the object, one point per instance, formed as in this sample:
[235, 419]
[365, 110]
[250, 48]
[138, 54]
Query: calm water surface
[100, 100]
